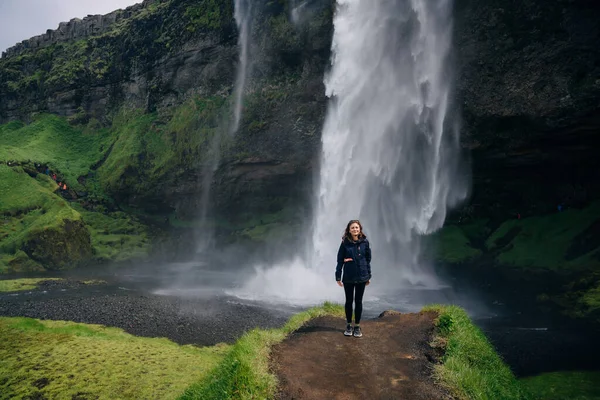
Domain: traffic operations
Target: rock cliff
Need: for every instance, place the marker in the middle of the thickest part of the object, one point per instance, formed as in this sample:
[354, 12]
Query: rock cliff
[528, 84]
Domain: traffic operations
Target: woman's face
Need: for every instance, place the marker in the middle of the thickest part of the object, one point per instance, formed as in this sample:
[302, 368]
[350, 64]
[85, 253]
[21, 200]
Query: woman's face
[355, 229]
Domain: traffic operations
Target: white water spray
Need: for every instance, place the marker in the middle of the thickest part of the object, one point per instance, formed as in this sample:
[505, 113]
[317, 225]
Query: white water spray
[243, 17]
[390, 147]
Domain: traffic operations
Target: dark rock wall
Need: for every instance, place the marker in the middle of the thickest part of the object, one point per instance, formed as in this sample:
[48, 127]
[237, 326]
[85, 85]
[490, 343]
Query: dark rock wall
[528, 84]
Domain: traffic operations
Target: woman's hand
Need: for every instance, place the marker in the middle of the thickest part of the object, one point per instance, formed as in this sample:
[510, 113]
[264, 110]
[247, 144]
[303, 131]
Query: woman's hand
[340, 284]
[368, 282]
[347, 259]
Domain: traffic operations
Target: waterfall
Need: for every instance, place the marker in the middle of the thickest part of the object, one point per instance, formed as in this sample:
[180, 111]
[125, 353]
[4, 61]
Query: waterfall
[390, 148]
[243, 17]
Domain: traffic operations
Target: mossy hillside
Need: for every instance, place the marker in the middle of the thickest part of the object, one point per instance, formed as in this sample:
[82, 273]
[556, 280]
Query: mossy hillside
[50, 140]
[470, 368]
[38, 223]
[56, 359]
[562, 240]
[564, 385]
[116, 236]
[151, 149]
[454, 245]
[18, 285]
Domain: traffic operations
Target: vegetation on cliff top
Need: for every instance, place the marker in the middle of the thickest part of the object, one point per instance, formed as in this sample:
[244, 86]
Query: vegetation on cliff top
[148, 35]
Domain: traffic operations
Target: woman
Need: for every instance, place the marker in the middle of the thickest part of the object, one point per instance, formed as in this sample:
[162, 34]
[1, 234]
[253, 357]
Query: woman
[354, 257]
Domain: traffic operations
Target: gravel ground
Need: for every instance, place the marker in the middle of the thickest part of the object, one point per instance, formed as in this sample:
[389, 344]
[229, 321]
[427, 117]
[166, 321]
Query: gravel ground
[196, 321]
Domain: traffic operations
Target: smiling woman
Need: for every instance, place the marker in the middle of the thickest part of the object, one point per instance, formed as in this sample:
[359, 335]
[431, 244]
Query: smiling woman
[22, 19]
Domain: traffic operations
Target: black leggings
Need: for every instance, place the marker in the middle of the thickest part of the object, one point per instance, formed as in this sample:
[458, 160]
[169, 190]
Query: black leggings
[360, 291]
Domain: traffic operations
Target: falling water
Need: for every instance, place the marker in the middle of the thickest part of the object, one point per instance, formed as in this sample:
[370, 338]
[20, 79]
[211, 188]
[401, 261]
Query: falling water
[390, 145]
[243, 17]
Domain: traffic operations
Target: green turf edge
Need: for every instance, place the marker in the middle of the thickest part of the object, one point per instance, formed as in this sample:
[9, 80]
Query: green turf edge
[244, 372]
[17, 285]
[470, 368]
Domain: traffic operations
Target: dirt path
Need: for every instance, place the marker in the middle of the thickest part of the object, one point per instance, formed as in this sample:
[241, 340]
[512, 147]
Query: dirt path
[391, 361]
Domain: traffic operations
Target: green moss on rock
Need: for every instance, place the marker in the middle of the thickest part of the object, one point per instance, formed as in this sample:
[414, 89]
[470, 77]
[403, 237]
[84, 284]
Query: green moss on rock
[544, 241]
[62, 246]
[454, 246]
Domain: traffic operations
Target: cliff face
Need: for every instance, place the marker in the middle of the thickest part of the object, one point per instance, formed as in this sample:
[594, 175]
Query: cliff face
[528, 88]
[528, 84]
[152, 53]
[77, 29]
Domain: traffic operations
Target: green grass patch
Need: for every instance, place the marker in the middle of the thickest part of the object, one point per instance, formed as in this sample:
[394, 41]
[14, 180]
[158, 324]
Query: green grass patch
[571, 385]
[244, 372]
[116, 236]
[454, 246]
[150, 149]
[51, 140]
[17, 285]
[56, 359]
[543, 241]
[28, 206]
[471, 368]
[94, 282]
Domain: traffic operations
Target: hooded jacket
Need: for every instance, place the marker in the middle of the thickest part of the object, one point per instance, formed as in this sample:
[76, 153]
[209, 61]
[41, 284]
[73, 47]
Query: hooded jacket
[359, 269]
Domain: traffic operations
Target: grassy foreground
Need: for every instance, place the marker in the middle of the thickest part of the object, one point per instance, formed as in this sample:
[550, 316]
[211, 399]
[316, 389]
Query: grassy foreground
[244, 373]
[56, 359]
[471, 368]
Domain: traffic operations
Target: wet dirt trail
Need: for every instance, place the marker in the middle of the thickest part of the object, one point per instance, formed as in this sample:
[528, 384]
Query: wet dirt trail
[393, 360]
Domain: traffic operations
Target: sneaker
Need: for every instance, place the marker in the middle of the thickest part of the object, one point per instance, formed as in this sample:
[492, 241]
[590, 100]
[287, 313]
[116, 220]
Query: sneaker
[357, 332]
[348, 331]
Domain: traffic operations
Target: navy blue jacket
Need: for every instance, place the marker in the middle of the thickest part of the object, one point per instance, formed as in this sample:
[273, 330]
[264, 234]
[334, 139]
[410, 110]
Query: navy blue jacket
[359, 269]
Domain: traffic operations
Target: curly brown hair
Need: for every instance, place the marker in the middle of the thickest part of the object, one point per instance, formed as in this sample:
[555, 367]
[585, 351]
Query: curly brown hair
[348, 235]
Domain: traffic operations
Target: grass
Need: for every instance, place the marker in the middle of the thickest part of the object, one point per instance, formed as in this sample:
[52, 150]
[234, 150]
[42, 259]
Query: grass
[28, 206]
[50, 140]
[454, 245]
[17, 285]
[56, 359]
[572, 385]
[543, 241]
[471, 368]
[150, 148]
[244, 372]
[116, 236]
